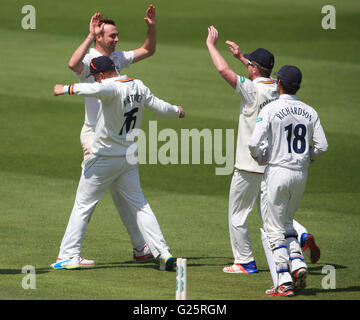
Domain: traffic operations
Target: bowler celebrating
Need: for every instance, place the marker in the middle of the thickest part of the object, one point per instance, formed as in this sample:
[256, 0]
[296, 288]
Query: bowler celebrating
[105, 36]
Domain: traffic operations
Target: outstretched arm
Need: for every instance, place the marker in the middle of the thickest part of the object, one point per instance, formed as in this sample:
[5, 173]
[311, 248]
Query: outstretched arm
[96, 89]
[148, 48]
[164, 109]
[75, 62]
[219, 62]
[160, 107]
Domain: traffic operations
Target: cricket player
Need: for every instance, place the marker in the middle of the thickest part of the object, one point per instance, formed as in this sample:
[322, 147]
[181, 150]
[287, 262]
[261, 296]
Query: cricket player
[295, 137]
[256, 92]
[123, 102]
[104, 33]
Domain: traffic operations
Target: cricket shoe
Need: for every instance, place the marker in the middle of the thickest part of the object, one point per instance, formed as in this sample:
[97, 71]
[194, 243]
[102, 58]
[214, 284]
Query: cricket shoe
[168, 263]
[299, 278]
[66, 264]
[241, 268]
[284, 290]
[84, 263]
[143, 254]
[308, 245]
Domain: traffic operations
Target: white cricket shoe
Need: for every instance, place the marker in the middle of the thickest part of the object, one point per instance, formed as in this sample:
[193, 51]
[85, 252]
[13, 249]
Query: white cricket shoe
[142, 254]
[66, 264]
[83, 263]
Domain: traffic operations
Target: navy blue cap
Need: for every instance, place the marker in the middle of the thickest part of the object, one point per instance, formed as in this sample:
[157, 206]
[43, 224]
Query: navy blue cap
[101, 64]
[263, 57]
[291, 75]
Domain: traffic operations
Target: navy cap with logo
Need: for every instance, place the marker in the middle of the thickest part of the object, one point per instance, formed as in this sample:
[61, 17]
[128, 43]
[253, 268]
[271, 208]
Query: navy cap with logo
[262, 56]
[101, 64]
[291, 75]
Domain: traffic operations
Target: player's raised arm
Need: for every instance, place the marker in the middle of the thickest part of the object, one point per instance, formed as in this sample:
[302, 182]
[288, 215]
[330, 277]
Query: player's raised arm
[75, 62]
[149, 46]
[219, 62]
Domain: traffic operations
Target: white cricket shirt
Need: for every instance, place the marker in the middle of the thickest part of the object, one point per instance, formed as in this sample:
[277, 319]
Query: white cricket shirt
[290, 126]
[121, 59]
[254, 96]
[123, 102]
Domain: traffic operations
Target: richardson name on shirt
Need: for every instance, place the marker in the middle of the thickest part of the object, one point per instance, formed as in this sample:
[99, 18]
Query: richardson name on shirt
[294, 111]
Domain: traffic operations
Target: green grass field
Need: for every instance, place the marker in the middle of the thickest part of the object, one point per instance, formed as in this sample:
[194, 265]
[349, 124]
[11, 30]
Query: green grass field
[40, 152]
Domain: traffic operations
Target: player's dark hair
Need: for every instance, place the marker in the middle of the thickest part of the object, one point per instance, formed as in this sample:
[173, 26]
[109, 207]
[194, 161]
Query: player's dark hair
[264, 72]
[106, 21]
[288, 89]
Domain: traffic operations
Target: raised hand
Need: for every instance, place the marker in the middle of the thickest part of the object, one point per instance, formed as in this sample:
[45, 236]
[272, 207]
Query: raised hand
[94, 23]
[212, 36]
[150, 16]
[235, 49]
[95, 27]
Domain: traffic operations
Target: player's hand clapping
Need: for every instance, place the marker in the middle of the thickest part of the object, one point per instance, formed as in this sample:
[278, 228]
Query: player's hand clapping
[212, 36]
[235, 49]
[150, 16]
[95, 27]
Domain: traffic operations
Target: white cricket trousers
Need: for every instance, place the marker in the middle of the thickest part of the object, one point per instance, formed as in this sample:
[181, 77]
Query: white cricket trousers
[244, 192]
[100, 174]
[281, 192]
[128, 219]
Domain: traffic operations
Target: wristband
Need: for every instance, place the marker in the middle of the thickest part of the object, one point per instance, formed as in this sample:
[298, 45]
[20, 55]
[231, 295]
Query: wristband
[69, 89]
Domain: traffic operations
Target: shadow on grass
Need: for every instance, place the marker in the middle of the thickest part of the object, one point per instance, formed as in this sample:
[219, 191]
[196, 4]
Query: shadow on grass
[18, 271]
[317, 269]
[152, 264]
[315, 291]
